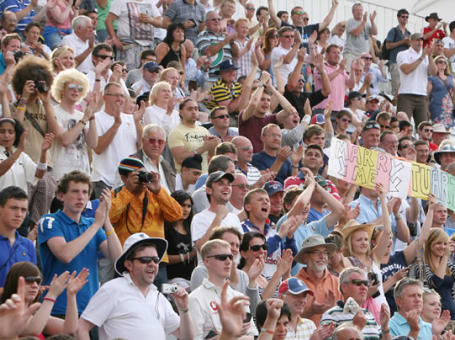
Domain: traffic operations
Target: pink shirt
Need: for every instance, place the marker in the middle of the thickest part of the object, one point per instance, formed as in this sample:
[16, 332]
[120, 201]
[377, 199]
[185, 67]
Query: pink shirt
[50, 20]
[338, 88]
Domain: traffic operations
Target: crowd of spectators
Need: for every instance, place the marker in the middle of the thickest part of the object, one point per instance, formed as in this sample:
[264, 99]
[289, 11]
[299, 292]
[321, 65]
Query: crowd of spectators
[163, 172]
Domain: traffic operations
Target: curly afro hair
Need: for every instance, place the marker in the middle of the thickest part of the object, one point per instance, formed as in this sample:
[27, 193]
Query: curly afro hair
[31, 68]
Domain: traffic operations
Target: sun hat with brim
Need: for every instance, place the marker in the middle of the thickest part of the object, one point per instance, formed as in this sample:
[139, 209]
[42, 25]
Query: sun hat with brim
[353, 226]
[310, 243]
[433, 15]
[446, 148]
[294, 286]
[135, 241]
[440, 128]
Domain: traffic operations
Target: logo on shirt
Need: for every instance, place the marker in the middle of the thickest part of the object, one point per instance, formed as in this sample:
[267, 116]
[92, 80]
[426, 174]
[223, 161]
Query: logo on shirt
[213, 306]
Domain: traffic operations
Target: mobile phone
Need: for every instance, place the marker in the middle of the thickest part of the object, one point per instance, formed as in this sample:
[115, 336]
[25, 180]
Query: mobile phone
[247, 318]
[211, 334]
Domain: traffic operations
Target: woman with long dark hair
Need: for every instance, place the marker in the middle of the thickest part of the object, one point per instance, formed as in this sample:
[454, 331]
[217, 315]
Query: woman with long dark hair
[41, 320]
[172, 47]
[264, 50]
[181, 253]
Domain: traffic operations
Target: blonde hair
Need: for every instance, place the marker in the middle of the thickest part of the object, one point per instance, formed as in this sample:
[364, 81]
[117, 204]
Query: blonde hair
[57, 53]
[348, 250]
[436, 235]
[213, 244]
[157, 88]
[163, 74]
[446, 71]
[69, 76]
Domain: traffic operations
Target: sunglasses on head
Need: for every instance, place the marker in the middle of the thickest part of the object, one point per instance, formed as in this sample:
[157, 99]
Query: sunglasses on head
[33, 279]
[147, 259]
[358, 283]
[222, 257]
[259, 247]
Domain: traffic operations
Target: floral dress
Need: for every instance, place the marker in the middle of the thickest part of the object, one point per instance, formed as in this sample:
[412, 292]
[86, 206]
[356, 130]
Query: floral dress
[441, 105]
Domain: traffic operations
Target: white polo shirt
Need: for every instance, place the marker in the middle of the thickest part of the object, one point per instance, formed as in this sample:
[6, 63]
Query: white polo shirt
[120, 310]
[416, 81]
[79, 46]
[203, 310]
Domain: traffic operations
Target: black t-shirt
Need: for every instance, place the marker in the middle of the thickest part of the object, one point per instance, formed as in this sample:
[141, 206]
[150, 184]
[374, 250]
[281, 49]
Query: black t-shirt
[396, 262]
[305, 32]
[298, 101]
[179, 244]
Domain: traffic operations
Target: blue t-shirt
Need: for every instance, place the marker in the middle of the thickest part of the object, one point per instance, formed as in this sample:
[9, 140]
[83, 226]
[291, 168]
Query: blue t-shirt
[396, 262]
[2, 64]
[21, 250]
[263, 161]
[17, 6]
[60, 225]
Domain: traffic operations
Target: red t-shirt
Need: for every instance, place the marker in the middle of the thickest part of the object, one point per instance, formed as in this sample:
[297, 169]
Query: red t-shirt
[252, 129]
[438, 34]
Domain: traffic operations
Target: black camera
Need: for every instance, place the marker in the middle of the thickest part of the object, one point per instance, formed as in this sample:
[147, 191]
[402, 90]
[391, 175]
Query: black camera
[373, 278]
[18, 55]
[41, 86]
[145, 177]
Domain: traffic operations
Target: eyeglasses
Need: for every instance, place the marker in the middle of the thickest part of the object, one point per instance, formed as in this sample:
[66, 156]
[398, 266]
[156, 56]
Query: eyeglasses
[73, 86]
[118, 95]
[306, 19]
[318, 252]
[405, 146]
[156, 141]
[246, 148]
[346, 120]
[250, 8]
[367, 58]
[222, 257]
[288, 36]
[124, 70]
[404, 16]
[147, 259]
[427, 130]
[102, 56]
[358, 283]
[259, 247]
[33, 279]
[301, 81]
[215, 19]
[221, 117]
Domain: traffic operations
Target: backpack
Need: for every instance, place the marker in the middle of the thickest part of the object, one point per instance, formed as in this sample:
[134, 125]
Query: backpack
[385, 53]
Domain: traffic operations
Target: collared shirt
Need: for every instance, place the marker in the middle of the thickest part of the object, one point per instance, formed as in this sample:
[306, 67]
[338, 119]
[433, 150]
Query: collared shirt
[337, 315]
[142, 86]
[180, 11]
[320, 288]
[416, 81]
[399, 326]
[395, 34]
[303, 331]
[220, 92]
[150, 166]
[244, 62]
[205, 39]
[204, 312]
[230, 132]
[21, 250]
[20, 173]
[252, 173]
[79, 46]
[376, 78]
[337, 85]
[120, 310]
[62, 226]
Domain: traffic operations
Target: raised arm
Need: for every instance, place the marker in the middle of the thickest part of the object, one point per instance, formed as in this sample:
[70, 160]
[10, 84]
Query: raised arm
[328, 19]
[381, 247]
[272, 13]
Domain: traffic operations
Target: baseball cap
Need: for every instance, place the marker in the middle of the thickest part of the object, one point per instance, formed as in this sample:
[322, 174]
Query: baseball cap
[151, 66]
[218, 176]
[373, 97]
[294, 286]
[318, 119]
[272, 187]
[371, 124]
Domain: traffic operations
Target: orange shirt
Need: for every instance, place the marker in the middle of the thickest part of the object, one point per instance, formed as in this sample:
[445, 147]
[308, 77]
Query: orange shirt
[320, 289]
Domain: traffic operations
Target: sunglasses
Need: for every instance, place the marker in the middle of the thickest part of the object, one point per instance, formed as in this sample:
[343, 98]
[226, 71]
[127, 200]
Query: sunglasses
[273, 36]
[288, 36]
[427, 130]
[102, 56]
[250, 8]
[147, 259]
[115, 95]
[156, 141]
[259, 247]
[222, 257]
[404, 16]
[246, 148]
[306, 19]
[358, 283]
[221, 117]
[346, 120]
[299, 12]
[241, 186]
[367, 58]
[33, 279]
[301, 81]
[124, 70]
[385, 126]
[215, 19]
[75, 87]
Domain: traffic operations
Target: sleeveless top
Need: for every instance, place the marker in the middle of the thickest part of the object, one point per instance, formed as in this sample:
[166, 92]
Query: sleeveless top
[171, 56]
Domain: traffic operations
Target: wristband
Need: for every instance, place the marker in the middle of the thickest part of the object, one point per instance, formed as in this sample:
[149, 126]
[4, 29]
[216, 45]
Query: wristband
[307, 119]
[385, 331]
[49, 299]
[41, 166]
[109, 233]
[183, 311]
[182, 258]
[268, 331]
[20, 108]
[83, 122]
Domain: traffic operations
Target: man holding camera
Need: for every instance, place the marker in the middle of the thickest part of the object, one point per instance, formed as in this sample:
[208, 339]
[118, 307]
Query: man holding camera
[142, 205]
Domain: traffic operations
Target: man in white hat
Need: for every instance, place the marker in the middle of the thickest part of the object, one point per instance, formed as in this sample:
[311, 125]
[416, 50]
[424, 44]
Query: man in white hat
[439, 134]
[314, 253]
[354, 285]
[445, 154]
[131, 307]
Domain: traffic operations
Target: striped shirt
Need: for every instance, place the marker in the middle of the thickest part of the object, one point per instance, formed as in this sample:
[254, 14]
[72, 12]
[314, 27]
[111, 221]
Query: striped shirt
[17, 6]
[220, 92]
[252, 173]
[336, 314]
[244, 62]
[304, 330]
[206, 39]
